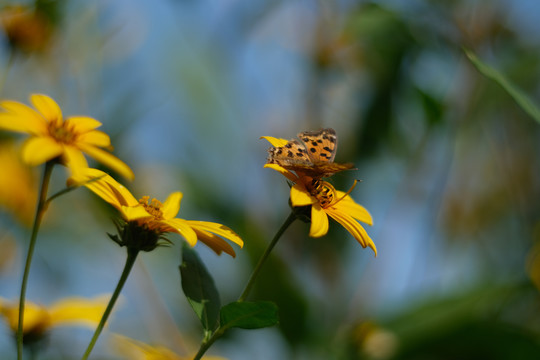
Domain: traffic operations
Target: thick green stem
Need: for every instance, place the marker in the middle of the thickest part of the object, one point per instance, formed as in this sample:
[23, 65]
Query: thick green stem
[130, 261]
[40, 210]
[207, 342]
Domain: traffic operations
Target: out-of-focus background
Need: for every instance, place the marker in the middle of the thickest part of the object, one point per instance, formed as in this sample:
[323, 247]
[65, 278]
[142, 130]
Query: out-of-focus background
[448, 164]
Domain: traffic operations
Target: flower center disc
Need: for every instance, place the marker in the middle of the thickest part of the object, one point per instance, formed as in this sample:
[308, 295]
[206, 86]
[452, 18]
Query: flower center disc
[153, 208]
[61, 133]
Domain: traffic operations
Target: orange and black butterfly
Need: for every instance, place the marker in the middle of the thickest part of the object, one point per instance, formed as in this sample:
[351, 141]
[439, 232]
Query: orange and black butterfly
[312, 156]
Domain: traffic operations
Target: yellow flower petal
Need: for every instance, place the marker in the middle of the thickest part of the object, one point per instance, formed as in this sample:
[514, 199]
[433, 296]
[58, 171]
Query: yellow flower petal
[214, 242]
[217, 229]
[171, 206]
[353, 227]
[289, 175]
[108, 160]
[300, 196]
[21, 118]
[36, 317]
[319, 222]
[48, 108]
[181, 227]
[350, 207]
[95, 138]
[105, 187]
[74, 159]
[276, 142]
[131, 213]
[79, 311]
[37, 150]
[82, 124]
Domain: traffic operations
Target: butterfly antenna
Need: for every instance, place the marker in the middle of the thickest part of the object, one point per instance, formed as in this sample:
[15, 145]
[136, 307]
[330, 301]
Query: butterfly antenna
[348, 192]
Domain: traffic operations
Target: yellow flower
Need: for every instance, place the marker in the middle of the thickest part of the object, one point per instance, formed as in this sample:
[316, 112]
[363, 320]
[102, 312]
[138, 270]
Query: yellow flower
[325, 201]
[38, 319]
[53, 138]
[154, 216]
[136, 350]
[18, 184]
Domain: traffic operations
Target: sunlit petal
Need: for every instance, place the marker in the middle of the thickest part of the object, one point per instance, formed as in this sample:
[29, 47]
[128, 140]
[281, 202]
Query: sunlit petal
[353, 227]
[74, 159]
[300, 196]
[171, 206]
[82, 124]
[47, 107]
[108, 160]
[181, 227]
[132, 213]
[79, 311]
[276, 142]
[21, 118]
[289, 175]
[95, 138]
[217, 229]
[214, 242]
[37, 150]
[350, 207]
[319, 222]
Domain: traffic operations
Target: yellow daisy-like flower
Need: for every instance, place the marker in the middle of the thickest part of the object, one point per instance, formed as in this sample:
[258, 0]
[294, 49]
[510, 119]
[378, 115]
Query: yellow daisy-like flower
[52, 137]
[325, 201]
[154, 216]
[135, 350]
[38, 319]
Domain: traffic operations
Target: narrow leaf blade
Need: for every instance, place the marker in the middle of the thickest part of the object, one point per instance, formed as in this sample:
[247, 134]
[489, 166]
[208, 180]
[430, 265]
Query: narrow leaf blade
[199, 288]
[522, 99]
[249, 315]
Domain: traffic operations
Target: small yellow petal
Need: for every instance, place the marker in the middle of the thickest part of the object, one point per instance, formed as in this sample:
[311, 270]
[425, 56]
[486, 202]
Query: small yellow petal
[289, 175]
[108, 160]
[319, 222]
[131, 213]
[217, 229]
[47, 107]
[79, 311]
[353, 227]
[74, 159]
[276, 142]
[349, 206]
[21, 118]
[171, 206]
[95, 138]
[300, 196]
[181, 227]
[82, 124]
[214, 242]
[37, 150]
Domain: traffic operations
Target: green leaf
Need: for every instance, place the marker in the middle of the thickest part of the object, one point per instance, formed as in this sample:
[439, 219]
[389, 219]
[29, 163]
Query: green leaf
[519, 96]
[199, 288]
[249, 315]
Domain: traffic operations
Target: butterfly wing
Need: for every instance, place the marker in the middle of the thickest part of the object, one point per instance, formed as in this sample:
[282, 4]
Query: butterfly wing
[321, 145]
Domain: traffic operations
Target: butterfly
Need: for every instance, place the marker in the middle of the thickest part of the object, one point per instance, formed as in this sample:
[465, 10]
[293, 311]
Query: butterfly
[312, 156]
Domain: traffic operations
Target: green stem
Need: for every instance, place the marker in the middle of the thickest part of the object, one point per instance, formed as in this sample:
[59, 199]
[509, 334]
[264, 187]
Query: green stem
[264, 256]
[40, 210]
[207, 342]
[130, 261]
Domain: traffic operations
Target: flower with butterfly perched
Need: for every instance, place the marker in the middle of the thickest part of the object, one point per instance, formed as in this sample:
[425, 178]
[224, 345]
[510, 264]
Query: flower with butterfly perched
[149, 220]
[54, 139]
[305, 163]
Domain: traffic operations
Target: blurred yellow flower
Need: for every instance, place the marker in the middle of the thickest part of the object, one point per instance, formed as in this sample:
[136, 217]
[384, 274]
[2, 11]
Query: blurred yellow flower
[135, 350]
[53, 138]
[18, 184]
[154, 216]
[324, 200]
[26, 29]
[38, 319]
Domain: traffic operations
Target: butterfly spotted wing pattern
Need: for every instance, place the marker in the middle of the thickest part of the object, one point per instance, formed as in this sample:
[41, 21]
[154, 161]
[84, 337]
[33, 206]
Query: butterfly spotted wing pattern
[312, 156]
